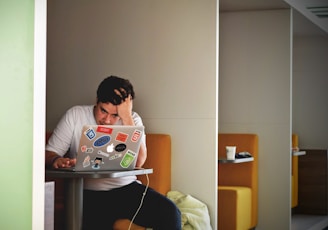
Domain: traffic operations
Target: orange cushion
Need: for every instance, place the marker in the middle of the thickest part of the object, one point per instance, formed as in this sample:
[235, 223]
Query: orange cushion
[158, 158]
[123, 224]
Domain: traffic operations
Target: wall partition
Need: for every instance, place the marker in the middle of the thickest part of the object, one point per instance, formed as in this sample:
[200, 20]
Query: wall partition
[168, 49]
[255, 97]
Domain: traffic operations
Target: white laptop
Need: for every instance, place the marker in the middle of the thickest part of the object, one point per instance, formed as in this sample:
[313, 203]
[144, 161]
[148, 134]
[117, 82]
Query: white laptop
[108, 147]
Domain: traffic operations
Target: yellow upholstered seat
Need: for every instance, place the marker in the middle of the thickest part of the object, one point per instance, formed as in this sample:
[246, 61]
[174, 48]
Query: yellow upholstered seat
[235, 207]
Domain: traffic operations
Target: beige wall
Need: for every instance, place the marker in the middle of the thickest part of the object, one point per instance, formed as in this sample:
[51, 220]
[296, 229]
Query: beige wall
[310, 90]
[157, 52]
[255, 97]
[168, 50]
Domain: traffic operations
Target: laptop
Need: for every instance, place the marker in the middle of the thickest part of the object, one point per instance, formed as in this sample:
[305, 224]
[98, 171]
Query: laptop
[108, 147]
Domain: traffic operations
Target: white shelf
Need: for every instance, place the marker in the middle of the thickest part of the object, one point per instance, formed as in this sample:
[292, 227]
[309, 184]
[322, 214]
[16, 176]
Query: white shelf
[299, 153]
[235, 161]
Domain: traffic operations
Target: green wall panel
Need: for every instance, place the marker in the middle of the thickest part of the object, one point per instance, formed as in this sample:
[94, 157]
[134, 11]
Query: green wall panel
[16, 121]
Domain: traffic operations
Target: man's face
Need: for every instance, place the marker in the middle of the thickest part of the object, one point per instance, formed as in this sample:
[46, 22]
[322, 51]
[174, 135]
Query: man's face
[106, 114]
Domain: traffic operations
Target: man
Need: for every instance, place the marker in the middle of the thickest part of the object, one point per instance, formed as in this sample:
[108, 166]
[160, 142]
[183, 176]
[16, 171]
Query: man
[107, 199]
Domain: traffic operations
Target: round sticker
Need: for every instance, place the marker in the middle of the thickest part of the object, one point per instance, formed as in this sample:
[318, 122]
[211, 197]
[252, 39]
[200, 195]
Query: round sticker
[120, 147]
[101, 141]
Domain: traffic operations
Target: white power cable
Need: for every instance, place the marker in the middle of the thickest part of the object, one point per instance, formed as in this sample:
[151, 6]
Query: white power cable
[141, 202]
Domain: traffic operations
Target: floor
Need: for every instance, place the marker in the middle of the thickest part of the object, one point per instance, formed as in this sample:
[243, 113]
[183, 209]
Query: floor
[309, 222]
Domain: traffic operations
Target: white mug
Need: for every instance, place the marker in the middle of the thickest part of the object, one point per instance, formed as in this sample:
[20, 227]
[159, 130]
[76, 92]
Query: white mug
[231, 152]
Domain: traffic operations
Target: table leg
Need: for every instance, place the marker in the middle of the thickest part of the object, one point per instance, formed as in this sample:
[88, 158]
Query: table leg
[74, 203]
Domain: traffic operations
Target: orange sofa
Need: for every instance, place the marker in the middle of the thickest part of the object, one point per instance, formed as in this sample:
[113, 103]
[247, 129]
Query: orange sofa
[159, 158]
[238, 184]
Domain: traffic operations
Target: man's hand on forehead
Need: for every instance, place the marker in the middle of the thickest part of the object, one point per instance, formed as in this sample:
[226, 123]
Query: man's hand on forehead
[122, 93]
[124, 109]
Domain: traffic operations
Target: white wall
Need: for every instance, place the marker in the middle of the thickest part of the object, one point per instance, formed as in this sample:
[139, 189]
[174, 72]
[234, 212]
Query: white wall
[255, 97]
[168, 50]
[310, 91]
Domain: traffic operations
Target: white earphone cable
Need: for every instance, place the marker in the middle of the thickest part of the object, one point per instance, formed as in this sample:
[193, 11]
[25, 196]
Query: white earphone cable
[141, 202]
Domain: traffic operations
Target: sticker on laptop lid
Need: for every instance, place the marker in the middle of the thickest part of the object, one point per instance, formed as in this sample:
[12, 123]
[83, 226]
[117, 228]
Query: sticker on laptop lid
[97, 162]
[115, 156]
[101, 141]
[122, 137]
[85, 149]
[90, 133]
[86, 161]
[136, 135]
[103, 153]
[127, 159]
[120, 147]
[103, 129]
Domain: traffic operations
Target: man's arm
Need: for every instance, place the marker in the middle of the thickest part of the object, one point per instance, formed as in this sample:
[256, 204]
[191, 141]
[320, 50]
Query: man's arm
[142, 156]
[53, 160]
[125, 113]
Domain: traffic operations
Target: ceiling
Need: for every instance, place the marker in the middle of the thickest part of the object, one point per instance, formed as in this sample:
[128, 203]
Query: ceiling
[242, 5]
[309, 18]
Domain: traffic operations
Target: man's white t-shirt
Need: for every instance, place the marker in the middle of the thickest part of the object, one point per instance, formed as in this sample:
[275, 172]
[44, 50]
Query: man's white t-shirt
[66, 138]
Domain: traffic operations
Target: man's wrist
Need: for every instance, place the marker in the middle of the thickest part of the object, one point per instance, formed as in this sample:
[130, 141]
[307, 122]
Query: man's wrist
[53, 160]
[128, 121]
[51, 157]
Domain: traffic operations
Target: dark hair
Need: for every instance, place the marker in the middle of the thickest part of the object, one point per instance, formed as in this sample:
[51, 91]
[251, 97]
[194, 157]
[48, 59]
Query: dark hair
[106, 90]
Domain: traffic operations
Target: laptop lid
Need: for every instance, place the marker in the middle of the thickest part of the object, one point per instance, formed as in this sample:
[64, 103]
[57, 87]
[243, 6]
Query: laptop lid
[108, 147]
